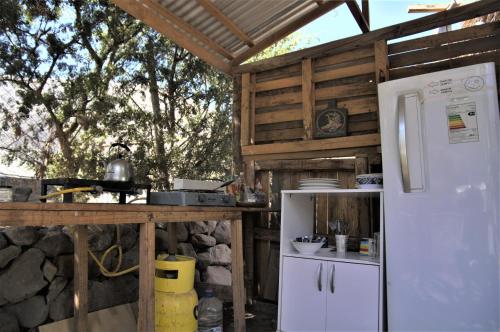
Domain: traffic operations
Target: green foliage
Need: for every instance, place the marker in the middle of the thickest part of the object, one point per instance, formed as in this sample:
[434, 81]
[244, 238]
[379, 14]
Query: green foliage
[78, 75]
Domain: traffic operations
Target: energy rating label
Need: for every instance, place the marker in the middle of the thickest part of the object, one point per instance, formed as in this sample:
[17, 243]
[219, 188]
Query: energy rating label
[462, 123]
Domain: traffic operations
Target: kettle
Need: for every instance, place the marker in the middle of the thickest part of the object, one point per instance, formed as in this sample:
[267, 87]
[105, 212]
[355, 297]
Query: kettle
[119, 169]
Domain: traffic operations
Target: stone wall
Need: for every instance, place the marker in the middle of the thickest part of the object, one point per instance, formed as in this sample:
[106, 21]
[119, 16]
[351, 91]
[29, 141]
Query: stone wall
[36, 268]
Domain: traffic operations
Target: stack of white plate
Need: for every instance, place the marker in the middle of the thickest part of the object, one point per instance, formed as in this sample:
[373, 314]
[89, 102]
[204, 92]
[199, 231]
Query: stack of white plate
[318, 183]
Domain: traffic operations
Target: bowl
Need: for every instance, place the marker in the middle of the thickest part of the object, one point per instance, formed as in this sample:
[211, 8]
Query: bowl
[369, 181]
[307, 247]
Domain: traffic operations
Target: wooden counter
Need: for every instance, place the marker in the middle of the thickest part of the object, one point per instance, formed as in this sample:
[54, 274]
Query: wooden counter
[80, 215]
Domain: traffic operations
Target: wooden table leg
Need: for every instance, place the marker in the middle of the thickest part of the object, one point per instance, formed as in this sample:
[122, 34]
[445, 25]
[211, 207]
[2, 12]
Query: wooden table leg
[237, 275]
[81, 278]
[146, 319]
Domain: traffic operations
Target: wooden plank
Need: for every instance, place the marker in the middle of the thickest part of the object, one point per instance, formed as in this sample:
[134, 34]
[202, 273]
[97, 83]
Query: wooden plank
[80, 278]
[252, 109]
[474, 32]
[336, 59]
[162, 10]
[344, 91]
[332, 153]
[245, 109]
[431, 8]
[354, 106]
[381, 61]
[404, 29]
[237, 275]
[445, 52]
[307, 99]
[313, 145]
[250, 174]
[281, 99]
[365, 9]
[278, 83]
[228, 23]
[353, 127]
[266, 234]
[279, 126]
[358, 16]
[155, 20]
[285, 115]
[279, 135]
[146, 318]
[281, 72]
[333, 74]
[445, 64]
[236, 121]
[286, 30]
[309, 164]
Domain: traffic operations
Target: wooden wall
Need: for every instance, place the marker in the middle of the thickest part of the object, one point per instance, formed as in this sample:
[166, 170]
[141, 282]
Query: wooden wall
[278, 98]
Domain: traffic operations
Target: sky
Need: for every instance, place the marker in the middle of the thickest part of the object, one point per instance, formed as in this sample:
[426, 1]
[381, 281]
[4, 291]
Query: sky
[339, 23]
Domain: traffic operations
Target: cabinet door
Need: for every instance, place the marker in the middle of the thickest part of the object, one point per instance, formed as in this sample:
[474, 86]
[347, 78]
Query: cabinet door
[352, 297]
[303, 294]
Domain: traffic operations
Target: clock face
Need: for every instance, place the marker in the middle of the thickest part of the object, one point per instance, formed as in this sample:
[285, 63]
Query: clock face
[331, 123]
[474, 83]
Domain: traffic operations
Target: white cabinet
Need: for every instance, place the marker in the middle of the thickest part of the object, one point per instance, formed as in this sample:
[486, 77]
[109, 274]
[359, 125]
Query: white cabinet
[320, 295]
[326, 291]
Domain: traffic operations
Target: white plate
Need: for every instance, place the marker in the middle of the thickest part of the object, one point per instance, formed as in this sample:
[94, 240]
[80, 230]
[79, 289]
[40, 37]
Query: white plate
[318, 179]
[318, 184]
[326, 182]
[317, 187]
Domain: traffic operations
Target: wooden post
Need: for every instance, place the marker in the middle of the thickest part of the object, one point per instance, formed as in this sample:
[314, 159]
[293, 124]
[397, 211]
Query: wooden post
[245, 109]
[249, 219]
[307, 99]
[381, 61]
[237, 275]
[146, 319]
[81, 278]
[251, 121]
[250, 173]
[237, 159]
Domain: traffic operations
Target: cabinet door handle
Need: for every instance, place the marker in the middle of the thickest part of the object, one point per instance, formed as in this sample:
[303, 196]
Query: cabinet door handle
[332, 279]
[320, 272]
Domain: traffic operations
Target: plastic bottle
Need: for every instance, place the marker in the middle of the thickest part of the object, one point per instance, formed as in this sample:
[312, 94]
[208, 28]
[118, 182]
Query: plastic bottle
[210, 313]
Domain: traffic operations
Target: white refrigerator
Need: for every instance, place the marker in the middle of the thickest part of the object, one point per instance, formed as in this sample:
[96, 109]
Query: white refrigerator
[440, 156]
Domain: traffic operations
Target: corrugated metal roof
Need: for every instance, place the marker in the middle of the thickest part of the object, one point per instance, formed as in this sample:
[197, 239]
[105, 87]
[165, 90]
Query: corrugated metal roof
[226, 32]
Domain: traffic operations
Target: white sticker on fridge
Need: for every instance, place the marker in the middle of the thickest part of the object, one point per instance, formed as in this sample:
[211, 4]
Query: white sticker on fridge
[462, 123]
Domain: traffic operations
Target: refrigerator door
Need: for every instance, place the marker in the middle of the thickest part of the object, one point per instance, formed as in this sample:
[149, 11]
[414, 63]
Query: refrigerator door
[440, 154]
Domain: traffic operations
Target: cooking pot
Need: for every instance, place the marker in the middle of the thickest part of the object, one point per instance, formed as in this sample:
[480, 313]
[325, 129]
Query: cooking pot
[119, 169]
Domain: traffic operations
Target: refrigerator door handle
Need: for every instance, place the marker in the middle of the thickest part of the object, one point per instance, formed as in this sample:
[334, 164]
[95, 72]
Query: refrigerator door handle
[403, 155]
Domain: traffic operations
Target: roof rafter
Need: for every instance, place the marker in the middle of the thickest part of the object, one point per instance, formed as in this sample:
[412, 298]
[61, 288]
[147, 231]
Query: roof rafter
[358, 16]
[162, 23]
[219, 15]
[289, 28]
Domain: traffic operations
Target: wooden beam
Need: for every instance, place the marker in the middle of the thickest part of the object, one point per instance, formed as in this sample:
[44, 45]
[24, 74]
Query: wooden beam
[81, 278]
[300, 165]
[427, 8]
[437, 20]
[365, 9]
[157, 21]
[221, 17]
[381, 61]
[358, 16]
[236, 119]
[313, 145]
[237, 275]
[245, 109]
[288, 29]
[146, 318]
[307, 99]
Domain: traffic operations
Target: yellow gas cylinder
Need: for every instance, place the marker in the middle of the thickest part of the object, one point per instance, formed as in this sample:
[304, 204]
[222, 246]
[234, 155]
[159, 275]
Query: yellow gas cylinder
[175, 299]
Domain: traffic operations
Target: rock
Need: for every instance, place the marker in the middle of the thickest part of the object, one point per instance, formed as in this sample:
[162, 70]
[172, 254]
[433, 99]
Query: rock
[3, 301]
[131, 257]
[182, 233]
[222, 232]
[198, 227]
[62, 306]
[204, 260]
[161, 240]
[64, 265]
[186, 249]
[211, 224]
[31, 312]
[197, 276]
[21, 194]
[21, 236]
[218, 275]
[112, 292]
[55, 288]
[24, 276]
[54, 244]
[49, 270]
[3, 241]
[100, 237]
[220, 254]
[203, 241]
[8, 254]
[8, 322]
[128, 236]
